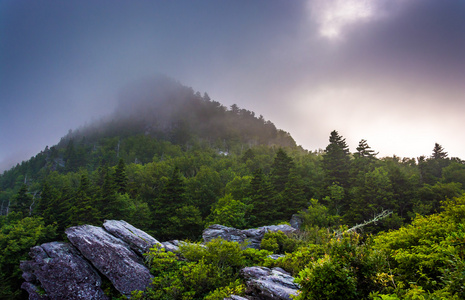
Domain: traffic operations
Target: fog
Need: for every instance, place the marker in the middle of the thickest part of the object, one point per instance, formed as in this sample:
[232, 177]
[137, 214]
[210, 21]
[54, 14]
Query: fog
[388, 71]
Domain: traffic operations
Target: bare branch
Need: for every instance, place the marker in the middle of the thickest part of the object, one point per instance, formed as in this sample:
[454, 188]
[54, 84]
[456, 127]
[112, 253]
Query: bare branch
[379, 217]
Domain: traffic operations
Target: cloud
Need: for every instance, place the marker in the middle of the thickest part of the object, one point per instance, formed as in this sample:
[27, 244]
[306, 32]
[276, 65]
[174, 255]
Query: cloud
[333, 16]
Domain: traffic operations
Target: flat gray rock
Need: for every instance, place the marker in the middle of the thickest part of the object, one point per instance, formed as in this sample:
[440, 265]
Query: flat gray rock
[269, 284]
[253, 237]
[137, 239]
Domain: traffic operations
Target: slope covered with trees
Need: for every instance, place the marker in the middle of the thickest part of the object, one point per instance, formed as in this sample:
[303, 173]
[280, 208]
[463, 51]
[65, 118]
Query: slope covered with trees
[171, 161]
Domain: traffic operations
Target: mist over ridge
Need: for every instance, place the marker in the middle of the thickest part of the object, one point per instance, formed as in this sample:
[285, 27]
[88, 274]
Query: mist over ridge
[164, 108]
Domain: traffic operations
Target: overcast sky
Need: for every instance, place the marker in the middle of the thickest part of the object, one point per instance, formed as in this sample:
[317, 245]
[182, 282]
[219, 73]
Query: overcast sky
[388, 71]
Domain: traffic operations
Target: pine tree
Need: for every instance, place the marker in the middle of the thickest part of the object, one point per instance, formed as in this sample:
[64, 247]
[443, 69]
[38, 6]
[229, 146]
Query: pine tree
[47, 198]
[108, 198]
[280, 170]
[336, 161]
[121, 179]
[22, 201]
[59, 209]
[438, 152]
[84, 210]
[293, 197]
[263, 200]
[171, 198]
[364, 161]
[436, 163]
[365, 151]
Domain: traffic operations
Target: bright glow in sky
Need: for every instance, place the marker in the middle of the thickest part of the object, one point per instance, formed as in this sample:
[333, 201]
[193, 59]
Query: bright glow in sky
[334, 15]
[391, 72]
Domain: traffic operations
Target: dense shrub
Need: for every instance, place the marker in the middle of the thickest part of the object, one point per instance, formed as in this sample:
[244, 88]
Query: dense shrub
[278, 242]
[208, 271]
[327, 279]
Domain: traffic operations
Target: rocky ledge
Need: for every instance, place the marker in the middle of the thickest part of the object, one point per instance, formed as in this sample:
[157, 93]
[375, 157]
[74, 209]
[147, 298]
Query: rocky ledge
[74, 270]
[253, 237]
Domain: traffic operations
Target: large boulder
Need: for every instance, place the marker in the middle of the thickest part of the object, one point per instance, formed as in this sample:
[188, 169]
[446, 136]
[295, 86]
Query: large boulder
[137, 239]
[269, 284]
[61, 272]
[112, 257]
[252, 237]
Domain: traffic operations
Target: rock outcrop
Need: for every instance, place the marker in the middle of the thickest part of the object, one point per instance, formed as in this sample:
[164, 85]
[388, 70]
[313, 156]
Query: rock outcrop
[252, 237]
[234, 297]
[62, 272]
[137, 239]
[269, 284]
[112, 257]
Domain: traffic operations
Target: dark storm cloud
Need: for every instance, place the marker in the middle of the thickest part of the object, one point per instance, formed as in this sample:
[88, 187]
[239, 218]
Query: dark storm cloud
[397, 63]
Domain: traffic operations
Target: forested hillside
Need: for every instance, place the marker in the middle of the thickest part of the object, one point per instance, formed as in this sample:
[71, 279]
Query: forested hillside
[172, 161]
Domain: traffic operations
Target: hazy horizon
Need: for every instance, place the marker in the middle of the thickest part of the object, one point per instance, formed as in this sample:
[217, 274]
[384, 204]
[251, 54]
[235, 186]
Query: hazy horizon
[391, 72]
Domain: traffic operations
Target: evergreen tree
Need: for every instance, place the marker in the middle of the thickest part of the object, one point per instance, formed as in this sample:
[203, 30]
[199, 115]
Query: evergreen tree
[110, 206]
[47, 198]
[263, 200]
[204, 189]
[280, 170]
[365, 151]
[371, 198]
[438, 152]
[121, 179]
[22, 201]
[171, 198]
[60, 208]
[70, 157]
[186, 222]
[293, 197]
[248, 154]
[364, 161]
[336, 161]
[437, 162]
[84, 210]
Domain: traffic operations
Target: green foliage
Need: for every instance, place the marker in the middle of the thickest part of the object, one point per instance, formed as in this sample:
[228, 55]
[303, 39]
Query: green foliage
[429, 253]
[234, 288]
[278, 242]
[17, 236]
[317, 215]
[336, 160]
[229, 212]
[209, 272]
[305, 255]
[414, 250]
[22, 201]
[280, 170]
[263, 200]
[185, 223]
[327, 279]
[346, 271]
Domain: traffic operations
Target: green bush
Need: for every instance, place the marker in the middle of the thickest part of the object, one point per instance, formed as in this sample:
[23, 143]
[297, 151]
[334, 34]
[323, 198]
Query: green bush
[327, 279]
[234, 288]
[347, 271]
[206, 272]
[278, 242]
[296, 261]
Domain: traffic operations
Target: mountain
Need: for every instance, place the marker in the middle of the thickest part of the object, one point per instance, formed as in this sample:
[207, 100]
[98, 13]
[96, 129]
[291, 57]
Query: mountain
[152, 112]
[164, 109]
